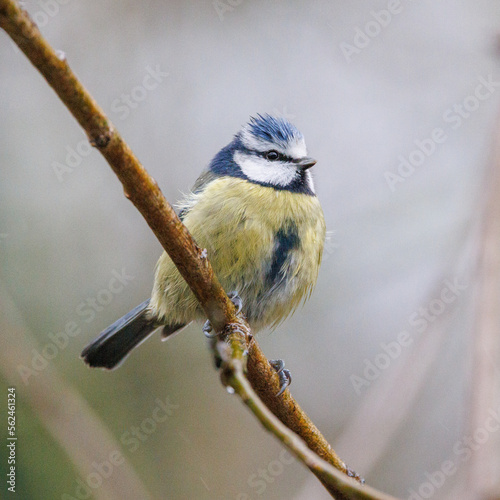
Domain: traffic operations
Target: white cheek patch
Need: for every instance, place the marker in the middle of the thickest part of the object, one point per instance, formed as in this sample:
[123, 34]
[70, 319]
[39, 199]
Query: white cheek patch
[261, 170]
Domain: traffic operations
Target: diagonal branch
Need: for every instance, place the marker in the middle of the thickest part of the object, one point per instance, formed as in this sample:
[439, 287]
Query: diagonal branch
[194, 267]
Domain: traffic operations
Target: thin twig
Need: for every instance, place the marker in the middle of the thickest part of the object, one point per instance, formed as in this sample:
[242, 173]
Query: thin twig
[233, 374]
[145, 194]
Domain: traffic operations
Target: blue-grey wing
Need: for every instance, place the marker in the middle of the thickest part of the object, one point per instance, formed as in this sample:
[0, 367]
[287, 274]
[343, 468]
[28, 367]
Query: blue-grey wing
[206, 177]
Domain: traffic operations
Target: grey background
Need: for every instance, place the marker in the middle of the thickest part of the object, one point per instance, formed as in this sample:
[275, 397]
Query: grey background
[389, 252]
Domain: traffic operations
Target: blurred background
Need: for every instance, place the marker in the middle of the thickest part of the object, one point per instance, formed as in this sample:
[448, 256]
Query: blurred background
[395, 357]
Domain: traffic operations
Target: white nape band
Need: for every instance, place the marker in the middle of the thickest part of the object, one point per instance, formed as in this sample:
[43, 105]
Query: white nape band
[295, 148]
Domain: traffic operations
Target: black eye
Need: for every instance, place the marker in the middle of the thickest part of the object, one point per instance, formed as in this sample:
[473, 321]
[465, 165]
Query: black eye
[272, 155]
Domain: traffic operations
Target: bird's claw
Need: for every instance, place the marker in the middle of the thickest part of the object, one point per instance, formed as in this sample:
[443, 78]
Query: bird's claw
[354, 475]
[207, 330]
[236, 300]
[285, 377]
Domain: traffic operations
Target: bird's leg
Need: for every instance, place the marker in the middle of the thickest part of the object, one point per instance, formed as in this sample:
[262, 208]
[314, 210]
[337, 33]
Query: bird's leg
[285, 377]
[212, 336]
[238, 303]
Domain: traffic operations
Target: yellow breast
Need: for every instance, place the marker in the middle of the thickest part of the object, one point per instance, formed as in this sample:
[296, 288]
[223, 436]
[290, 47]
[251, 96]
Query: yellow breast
[266, 244]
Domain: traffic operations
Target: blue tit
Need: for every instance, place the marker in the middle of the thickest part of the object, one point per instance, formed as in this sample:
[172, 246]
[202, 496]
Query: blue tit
[255, 211]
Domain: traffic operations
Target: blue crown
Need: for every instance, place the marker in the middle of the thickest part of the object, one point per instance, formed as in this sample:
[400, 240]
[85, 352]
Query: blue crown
[272, 129]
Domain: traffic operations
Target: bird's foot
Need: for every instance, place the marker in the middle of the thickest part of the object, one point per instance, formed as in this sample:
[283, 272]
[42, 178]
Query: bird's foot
[285, 377]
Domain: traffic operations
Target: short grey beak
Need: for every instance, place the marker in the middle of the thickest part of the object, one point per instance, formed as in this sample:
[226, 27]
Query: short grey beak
[305, 163]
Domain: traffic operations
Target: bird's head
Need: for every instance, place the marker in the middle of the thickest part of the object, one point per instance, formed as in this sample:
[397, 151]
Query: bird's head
[269, 151]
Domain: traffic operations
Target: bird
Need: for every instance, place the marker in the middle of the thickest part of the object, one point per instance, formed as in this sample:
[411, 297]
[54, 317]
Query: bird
[255, 211]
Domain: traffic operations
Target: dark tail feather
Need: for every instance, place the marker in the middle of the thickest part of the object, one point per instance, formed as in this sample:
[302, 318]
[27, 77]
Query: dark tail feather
[168, 331]
[113, 345]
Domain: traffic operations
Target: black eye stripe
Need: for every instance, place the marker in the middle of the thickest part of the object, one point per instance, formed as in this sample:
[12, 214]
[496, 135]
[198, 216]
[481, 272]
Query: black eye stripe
[281, 156]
